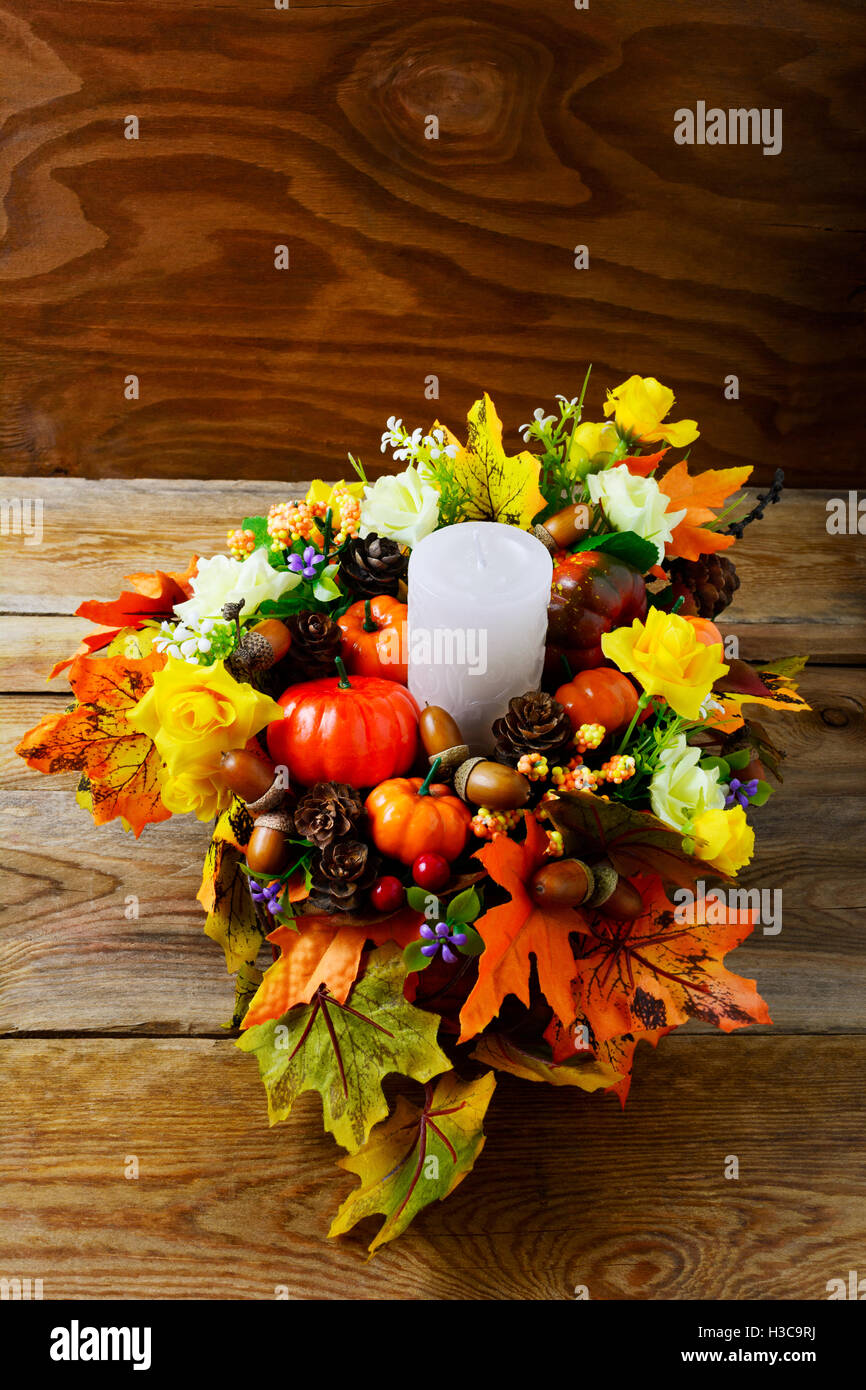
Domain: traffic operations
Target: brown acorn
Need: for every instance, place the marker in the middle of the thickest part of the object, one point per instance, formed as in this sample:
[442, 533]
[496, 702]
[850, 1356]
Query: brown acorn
[624, 904]
[441, 738]
[276, 634]
[246, 775]
[268, 851]
[565, 883]
[567, 526]
[496, 785]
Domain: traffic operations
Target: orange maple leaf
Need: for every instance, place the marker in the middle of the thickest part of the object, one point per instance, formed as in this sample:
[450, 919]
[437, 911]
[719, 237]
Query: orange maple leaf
[657, 972]
[325, 951]
[616, 1053]
[121, 764]
[699, 495]
[643, 464]
[517, 929]
[152, 598]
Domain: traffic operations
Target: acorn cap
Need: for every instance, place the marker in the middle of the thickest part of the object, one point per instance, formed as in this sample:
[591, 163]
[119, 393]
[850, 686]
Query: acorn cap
[606, 879]
[542, 534]
[461, 776]
[450, 759]
[275, 820]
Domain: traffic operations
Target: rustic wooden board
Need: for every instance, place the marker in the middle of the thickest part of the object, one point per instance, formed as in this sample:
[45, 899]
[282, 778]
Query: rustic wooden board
[569, 1190]
[802, 589]
[412, 256]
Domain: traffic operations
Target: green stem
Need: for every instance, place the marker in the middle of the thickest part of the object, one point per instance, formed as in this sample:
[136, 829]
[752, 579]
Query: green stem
[344, 682]
[641, 706]
[326, 534]
[368, 624]
[424, 789]
[566, 666]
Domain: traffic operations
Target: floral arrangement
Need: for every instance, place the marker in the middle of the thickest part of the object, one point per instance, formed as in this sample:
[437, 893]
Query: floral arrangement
[537, 908]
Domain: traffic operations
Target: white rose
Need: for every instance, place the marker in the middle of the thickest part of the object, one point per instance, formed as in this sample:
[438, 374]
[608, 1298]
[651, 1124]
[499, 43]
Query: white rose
[401, 506]
[680, 790]
[632, 503]
[222, 580]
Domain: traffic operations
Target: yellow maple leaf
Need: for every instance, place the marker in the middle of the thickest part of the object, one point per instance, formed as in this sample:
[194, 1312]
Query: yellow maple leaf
[495, 487]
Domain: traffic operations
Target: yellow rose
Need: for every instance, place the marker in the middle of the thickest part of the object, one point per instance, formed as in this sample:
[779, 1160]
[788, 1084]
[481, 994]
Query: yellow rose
[596, 439]
[724, 838]
[639, 407]
[194, 714]
[667, 658]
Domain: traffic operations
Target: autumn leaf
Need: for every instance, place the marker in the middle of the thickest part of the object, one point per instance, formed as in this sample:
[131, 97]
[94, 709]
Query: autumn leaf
[615, 1054]
[517, 930]
[120, 763]
[699, 495]
[634, 841]
[588, 1072]
[657, 972]
[495, 487]
[771, 684]
[344, 1051]
[416, 1156]
[322, 951]
[232, 921]
[152, 598]
[247, 981]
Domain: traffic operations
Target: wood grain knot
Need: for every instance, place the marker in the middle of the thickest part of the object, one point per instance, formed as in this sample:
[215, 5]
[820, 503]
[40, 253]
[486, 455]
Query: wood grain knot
[835, 718]
[477, 81]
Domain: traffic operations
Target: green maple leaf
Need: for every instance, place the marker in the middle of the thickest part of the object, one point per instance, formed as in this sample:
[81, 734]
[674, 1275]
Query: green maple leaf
[418, 1155]
[344, 1051]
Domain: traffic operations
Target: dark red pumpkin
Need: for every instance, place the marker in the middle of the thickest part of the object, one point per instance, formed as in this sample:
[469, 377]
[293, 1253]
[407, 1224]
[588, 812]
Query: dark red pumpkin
[336, 730]
[592, 593]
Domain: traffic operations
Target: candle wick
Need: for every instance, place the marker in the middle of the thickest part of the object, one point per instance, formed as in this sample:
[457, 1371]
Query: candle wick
[479, 553]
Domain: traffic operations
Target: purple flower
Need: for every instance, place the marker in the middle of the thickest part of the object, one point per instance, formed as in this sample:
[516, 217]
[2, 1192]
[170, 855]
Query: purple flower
[306, 564]
[267, 897]
[441, 937]
[740, 792]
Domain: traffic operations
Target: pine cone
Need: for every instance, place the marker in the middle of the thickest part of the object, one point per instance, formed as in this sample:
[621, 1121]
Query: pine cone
[372, 566]
[535, 723]
[315, 643]
[708, 585]
[342, 876]
[329, 811]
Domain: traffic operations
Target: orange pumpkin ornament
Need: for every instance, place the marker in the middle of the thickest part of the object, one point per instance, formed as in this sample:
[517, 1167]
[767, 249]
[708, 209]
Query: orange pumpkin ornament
[705, 631]
[602, 696]
[337, 730]
[408, 817]
[374, 638]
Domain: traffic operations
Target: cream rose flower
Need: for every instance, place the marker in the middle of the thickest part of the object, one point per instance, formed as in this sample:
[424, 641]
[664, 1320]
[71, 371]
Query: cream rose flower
[680, 790]
[401, 507]
[222, 580]
[632, 503]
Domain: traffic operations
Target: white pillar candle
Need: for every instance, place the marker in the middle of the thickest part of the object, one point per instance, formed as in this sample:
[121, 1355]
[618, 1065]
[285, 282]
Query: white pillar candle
[478, 596]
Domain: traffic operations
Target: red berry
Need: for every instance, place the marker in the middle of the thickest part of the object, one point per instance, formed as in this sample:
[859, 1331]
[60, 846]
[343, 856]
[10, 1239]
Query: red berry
[387, 894]
[431, 871]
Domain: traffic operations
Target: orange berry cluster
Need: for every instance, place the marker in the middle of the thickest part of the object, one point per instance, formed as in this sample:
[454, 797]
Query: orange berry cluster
[241, 543]
[575, 777]
[487, 824]
[534, 767]
[293, 521]
[589, 736]
[554, 844]
[618, 769]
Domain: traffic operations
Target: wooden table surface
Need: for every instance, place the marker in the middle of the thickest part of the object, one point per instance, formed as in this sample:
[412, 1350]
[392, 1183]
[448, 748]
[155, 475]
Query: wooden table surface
[112, 1044]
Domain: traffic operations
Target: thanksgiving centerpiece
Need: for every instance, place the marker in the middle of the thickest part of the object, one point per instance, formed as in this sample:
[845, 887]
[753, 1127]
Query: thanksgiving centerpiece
[473, 747]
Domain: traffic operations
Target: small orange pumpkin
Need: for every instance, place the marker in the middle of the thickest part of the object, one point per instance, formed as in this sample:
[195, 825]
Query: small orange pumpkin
[408, 817]
[602, 696]
[374, 639]
[705, 631]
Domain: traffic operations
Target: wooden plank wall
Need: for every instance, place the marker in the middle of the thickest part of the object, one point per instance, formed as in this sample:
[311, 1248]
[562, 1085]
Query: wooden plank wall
[111, 1042]
[411, 256]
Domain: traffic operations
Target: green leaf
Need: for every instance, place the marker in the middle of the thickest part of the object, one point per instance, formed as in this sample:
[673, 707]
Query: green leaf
[413, 958]
[740, 758]
[345, 1051]
[326, 590]
[416, 1156]
[721, 763]
[634, 841]
[232, 920]
[421, 899]
[625, 545]
[474, 943]
[259, 527]
[762, 795]
[465, 907]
